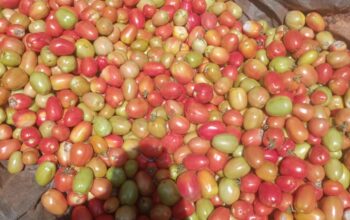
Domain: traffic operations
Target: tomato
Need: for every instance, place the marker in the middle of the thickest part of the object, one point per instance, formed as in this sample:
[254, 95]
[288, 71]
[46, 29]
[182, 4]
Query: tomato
[274, 82]
[195, 162]
[250, 183]
[332, 207]
[207, 183]
[221, 213]
[270, 194]
[188, 186]
[30, 136]
[305, 199]
[273, 137]
[241, 209]
[332, 188]
[54, 202]
[252, 137]
[45, 173]
[261, 209]
[236, 168]
[95, 207]
[217, 159]
[63, 179]
[254, 156]
[318, 155]
[168, 192]
[276, 49]
[81, 212]
[151, 147]
[293, 166]
[279, 106]
[287, 183]
[293, 40]
[80, 154]
[183, 209]
[210, 129]
[83, 180]
[195, 112]
[296, 130]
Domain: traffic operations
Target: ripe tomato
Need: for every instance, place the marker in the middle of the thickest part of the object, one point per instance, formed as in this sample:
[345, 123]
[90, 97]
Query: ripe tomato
[63, 180]
[188, 186]
[293, 166]
[270, 194]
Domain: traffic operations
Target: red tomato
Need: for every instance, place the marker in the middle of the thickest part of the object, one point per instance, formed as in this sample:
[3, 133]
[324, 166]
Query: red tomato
[319, 155]
[95, 207]
[293, 40]
[324, 73]
[203, 93]
[273, 137]
[20, 101]
[196, 112]
[276, 49]
[81, 212]
[332, 188]
[287, 183]
[30, 136]
[151, 147]
[220, 213]
[270, 194]
[73, 116]
[241, 209]
[61, 47]
[261, 209]
[195, 162]
[252, 137]
[217, 159]
[250, 183]
[48, 145]
[54, 110]
[273, 82]
[183, 209]
[63, 180]
[188, 186]
[293, 166]
[210, 129]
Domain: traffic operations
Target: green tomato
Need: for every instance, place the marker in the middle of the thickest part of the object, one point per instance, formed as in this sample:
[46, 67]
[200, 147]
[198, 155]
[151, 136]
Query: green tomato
[84, 48]
[236, 168]
[336, 154]
[333, 169]
[47, 57]
[226, 143]
[239, 151]
[82, 182]
[45, 173]
[15, 164]
[2, 69]
[345, 178]
[139, 45]
[308, 57]
[116, 176]
[10, 58]
[248, 84]
[131, 167]
[279, 106]
[281, 64]
[66, 18]
[262, 56]
[194, 58]
[46, 128]
[67, 63]
[101, 126]
[203, 208]
[301, 150]
[89, 115]
[40, 83]
[194, 216]
[128, 193]
[168, 193]
[228, 191]
[333, 140]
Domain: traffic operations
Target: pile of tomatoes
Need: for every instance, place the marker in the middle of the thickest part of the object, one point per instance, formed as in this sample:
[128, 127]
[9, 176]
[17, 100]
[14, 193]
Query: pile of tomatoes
[175, 109]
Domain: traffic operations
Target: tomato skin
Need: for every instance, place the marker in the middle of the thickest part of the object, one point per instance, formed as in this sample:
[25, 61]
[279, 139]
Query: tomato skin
[293, 40]
[73, 116]
[250, 183]
[305, 199]
[287, 183]
[252, 137]
[81, 212]
[273, 137]
[137, 18]
[30, 136]
[171, 90]
[319, 155]
[63, 180]
[61, 47]
[293, 166]
[36, 41]
[203, 93]
[332, 188]
[183, 209]
[210, 129]
[273, 82]
[241, 209]
[188, 186]
[261, 209]
[270, 194]
[48, 145]
[217, 159]
[54, 110]
[196, 112]
[220, 213]
[275, 49]
[195, 162]
[324, 73]
[80, 154]
[151, 147]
